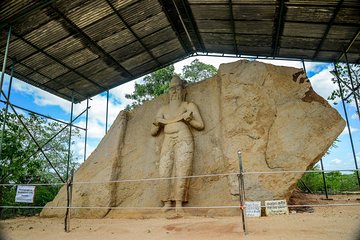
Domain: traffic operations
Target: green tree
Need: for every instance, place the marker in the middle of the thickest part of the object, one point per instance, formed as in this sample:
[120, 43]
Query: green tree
[157, 82]
[153, 85]
[343, 74]
[20, 161]
[197, 71]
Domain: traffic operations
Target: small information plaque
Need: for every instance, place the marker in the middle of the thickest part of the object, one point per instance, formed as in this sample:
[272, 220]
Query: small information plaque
[25, 194]
[253, 209]
[276, 207]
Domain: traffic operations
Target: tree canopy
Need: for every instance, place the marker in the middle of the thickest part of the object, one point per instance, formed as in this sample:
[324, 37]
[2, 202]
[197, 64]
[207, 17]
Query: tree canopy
[22, 163]
[157, 82]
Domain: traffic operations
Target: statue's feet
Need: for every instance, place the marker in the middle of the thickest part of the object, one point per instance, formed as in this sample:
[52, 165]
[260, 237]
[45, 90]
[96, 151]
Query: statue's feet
[166, 207]
[179, 210]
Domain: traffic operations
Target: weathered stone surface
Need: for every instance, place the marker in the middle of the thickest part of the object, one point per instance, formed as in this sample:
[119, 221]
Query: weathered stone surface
[270, 113]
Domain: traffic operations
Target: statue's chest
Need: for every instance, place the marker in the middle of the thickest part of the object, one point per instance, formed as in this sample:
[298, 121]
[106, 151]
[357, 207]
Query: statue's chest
[174, 112]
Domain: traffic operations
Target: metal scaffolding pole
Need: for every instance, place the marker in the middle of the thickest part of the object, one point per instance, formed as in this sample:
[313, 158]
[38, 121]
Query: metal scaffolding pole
[6, 110]
[69, 146]
[352, 86]
[324, 179]
[242, 191]
[5, 59]
[86, 126]
[107, 110]
[32, 137]
[347, 123]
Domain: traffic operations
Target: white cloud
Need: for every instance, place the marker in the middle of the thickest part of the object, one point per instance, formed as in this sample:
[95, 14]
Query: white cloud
[41, 97]
[346, 130]
[337, 161]
[322, 84]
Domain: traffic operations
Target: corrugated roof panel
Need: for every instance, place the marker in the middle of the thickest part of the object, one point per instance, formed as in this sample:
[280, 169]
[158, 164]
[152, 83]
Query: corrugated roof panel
[214, 26]
[107, 74]
[33, 21]
[68, 78]
[105, 28]
[233, 1]
[158, 37]
[146, 67]
[47, 34]
[69, 92]
[92, 68]
[54, 85]
[348, 15]
[52, 71]
[37, 61]
[38, 78]
[23, 70]
[251, 40]
[342, 32]
[299, 53]
[65, 47]
[20, 50]
[256, 51]
[137, 60]
[205, 12]
[117, 40]
[309, 14]
[128, 51]
[254, 27]
[120, 4]
[141, 11]
[216, 38]
[327, 55]
[253, 12]
[172, 56]
[166, 47]
[84, 86]
[10, 8]
[214, 48]
[300, 42]
[304, 29]
[150, 25]
[79, 58]
[89, 12]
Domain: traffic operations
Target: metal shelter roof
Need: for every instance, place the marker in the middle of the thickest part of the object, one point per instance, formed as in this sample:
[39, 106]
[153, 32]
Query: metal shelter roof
[84, 47]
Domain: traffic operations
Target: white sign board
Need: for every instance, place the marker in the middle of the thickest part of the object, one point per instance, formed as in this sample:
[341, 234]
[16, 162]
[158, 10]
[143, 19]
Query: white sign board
[253, 209]
[276, 207]
[25, 194]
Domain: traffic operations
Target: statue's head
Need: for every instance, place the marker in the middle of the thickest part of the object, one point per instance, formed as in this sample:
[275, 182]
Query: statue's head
[176, 89]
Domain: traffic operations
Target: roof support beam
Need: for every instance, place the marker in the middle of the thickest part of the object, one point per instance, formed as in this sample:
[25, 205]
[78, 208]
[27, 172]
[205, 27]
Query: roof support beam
[232, 23]
[187, 17]
[133, 33]
[347, 48]
[278, 27]
[337, 9]
[176, 23]
[94, 47]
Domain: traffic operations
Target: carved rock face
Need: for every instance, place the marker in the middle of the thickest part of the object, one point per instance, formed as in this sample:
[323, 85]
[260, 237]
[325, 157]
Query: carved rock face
[270, 113]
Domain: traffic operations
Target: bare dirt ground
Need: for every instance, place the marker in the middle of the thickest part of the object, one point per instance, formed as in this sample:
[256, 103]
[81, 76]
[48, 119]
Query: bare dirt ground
[321, 223]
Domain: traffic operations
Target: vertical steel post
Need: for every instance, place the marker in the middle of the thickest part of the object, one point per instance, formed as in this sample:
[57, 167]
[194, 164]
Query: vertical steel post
[69, 188]
[352, 86]
[69, 146]
[5, 58]
[242, 191]
[86, 126]
[324, 179]
[107, 110]
[303, 63]
[6, 109]
[348, 124]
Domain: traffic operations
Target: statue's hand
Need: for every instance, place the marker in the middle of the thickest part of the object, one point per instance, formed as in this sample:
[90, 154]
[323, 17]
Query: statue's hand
[187, 116]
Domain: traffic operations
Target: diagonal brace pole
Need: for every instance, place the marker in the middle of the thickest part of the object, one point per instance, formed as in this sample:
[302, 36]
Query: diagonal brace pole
[32, 137]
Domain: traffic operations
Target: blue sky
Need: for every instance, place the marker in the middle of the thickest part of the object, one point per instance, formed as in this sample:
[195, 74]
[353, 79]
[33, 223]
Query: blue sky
[35, 99]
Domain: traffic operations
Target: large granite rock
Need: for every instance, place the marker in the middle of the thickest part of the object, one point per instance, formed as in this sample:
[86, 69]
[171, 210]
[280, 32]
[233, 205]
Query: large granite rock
[270, 113]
